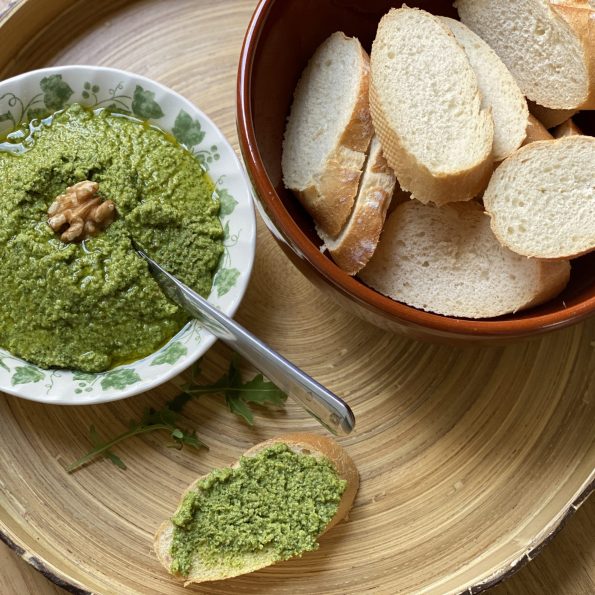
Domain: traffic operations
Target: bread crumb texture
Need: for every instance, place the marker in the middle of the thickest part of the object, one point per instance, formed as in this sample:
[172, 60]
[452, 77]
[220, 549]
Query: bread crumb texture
[547, 53]
[426, 108]
[542, 199]
[446, 260]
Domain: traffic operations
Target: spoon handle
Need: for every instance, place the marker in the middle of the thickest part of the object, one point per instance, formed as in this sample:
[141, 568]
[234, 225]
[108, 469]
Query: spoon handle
[331, 411]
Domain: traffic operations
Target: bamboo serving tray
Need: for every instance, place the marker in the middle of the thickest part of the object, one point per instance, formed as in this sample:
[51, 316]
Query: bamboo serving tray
[470, 458]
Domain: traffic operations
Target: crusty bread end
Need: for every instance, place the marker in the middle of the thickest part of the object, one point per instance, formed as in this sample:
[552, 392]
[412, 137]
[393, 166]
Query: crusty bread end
[550, 118]
[568, 128]
[536, 131]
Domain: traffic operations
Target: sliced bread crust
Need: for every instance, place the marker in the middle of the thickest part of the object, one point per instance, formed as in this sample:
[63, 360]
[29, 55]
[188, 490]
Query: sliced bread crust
[498, 88]
[568, 128]
[446, 260]
[433, 131]
[579, 15]
[542, 200]
[299, 442]
[328, 131]
[550, 117]
[536, 131]
[548, 46]
[356, 243]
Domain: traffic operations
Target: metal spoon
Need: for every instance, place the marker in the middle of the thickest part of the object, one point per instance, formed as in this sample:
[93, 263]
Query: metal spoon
[331, 411]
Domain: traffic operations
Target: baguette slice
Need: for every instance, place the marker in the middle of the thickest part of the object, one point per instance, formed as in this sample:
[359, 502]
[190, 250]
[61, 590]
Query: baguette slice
[328, 132]
[542, 199]
[536, 131]
[548, 46]
[303, 443]
[354, 246]
[568, 128]
[426, 109]
[550, 118]
[498, 89]
[446, 260]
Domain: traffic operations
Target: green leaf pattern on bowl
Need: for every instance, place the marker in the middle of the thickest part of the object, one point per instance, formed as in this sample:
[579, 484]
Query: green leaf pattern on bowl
[207, 156]
[119, 378]
[228, 202]
[225, 279]
[170, 354]
[55, 94]
[187, 130]
[27, 375]
[144, 105]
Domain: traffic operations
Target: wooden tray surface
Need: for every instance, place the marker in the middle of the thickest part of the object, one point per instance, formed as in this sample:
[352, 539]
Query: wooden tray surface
[470, 458]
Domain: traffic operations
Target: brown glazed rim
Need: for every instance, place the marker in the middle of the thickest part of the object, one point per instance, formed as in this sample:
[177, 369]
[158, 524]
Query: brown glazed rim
[330, 272]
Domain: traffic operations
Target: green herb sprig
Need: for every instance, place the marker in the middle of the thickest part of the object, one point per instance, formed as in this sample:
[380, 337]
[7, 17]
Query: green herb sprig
[239, 396]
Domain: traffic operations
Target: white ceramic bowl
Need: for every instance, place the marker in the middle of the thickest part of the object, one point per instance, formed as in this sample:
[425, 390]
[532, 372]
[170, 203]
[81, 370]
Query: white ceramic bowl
[26, 96]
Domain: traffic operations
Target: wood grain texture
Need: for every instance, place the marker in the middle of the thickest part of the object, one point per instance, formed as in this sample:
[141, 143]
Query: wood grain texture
[464, 453]
[17, 577]
[566, 566]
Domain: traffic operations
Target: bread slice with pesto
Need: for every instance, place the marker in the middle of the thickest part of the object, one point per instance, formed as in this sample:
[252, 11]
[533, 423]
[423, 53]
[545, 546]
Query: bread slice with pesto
[252, 516]
[328, 132]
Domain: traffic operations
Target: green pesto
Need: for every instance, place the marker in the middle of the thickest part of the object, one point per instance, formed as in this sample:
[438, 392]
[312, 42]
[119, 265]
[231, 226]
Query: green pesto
[277, 500]
[92, 305]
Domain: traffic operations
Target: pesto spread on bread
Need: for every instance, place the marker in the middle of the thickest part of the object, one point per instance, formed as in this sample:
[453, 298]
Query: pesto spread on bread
[277, 500]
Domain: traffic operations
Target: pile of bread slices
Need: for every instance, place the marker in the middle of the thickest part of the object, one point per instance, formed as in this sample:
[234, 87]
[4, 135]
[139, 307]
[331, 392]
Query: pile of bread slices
[486, 208]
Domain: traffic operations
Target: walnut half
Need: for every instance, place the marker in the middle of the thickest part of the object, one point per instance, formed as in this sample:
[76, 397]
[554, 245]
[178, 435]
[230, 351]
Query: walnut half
[79, 214]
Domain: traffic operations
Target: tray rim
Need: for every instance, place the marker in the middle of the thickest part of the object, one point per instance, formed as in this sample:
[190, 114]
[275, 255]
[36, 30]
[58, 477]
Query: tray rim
[69, 584]
[18, 8]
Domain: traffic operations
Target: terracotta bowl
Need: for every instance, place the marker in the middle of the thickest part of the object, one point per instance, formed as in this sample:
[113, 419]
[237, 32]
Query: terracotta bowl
[281, 37]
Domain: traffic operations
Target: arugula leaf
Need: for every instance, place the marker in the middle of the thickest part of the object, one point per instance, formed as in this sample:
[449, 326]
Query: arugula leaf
[188, 438]
[238, 395]
[151, 421]
[232, 398]
[108, 454]
[238, 406]
[262, 392]
[116, 460]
